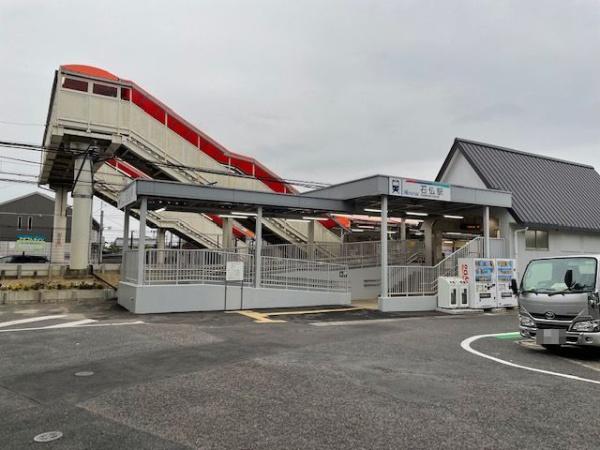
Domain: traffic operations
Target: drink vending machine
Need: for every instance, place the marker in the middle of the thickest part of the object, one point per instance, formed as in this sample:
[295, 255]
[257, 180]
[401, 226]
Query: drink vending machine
[453, 292]
[480, 275]
[506, 270]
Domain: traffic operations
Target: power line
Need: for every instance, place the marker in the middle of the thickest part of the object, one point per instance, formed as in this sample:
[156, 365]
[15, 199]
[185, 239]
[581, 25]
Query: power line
[42, 148]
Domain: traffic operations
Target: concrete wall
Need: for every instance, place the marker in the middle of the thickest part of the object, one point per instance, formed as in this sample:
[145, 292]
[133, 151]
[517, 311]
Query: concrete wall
[460, 172]
[365, 283]
[407, 304]
[206, 297]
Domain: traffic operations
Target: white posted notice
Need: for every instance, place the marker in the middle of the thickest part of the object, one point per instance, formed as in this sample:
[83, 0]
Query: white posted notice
[234, 271]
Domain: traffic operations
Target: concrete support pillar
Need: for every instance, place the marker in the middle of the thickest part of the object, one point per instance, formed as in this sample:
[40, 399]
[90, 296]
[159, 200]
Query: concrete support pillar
[486, 231]
[81, 224]
[125, 246]
[258, 248]
[142, 241]
[311, 238]
[384, 247]
[227, 233]
[427, 228]
[403, 229]
[59, 225]
[160, 244]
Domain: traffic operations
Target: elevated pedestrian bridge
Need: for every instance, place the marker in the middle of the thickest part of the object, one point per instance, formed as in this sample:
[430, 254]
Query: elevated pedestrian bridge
[102, 132]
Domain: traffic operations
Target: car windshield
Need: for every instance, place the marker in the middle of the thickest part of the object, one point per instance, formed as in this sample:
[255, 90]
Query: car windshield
[548, 275]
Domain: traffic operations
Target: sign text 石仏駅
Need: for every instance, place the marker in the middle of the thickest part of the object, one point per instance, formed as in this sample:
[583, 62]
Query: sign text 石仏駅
[430, 190]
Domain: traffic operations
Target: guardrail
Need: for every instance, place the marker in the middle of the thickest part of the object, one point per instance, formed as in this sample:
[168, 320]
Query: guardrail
[423, 280]
[352, 254]
[178, 266]
[302, 274]
[193, 266]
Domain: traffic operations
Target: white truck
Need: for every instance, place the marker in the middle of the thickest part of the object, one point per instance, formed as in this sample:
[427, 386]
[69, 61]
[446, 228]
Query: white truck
[559, 301]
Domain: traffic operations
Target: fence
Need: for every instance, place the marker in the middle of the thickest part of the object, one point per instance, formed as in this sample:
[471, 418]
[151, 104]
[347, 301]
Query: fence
[286, 273]
[352, 254]
[209, 267]
[422, 280]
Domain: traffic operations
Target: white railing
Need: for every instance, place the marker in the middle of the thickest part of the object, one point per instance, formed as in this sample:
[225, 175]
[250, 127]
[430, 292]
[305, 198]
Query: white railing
[352, 254]
[177, 266]
[303, 274]
[422, 280]
[129, 266]
[193, 266]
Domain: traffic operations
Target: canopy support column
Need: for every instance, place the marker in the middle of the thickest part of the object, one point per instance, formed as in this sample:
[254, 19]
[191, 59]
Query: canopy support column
[384, 247]
[142, 240]
[258, 248]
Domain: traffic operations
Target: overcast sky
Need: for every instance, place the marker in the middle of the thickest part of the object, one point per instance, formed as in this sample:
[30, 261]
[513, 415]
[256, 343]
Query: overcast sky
[327, 90]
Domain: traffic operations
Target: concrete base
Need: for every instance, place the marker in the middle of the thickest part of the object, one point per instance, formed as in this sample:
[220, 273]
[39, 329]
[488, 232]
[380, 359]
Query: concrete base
[406, 304]
[207, 297]
[365, 282]
[459, 311]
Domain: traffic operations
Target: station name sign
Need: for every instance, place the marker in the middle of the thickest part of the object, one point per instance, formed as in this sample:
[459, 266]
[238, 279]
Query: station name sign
[431, 190]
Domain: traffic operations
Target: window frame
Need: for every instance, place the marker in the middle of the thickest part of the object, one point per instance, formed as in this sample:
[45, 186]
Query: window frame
[19, 223]
[537, 240]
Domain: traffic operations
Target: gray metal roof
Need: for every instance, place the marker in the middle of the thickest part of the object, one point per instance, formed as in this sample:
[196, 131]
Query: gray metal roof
[546, 192]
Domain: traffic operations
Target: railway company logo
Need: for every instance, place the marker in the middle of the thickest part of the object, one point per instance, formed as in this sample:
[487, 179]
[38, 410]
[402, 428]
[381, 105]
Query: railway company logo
[550, 315]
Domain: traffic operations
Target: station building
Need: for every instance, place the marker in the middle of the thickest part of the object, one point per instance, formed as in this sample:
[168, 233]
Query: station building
[107, 137]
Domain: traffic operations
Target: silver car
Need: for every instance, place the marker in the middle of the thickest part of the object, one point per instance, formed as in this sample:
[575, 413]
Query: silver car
[559, 302]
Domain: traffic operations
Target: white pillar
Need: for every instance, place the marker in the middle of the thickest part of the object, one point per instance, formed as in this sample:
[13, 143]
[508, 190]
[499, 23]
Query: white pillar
[227, 232]
[160, 244]
[384, 248]
[81, 224]
[311, 238]
[402, 229]
[59, 225]
[427, 228]
[125, 229]
[125, 246]
[258, 248]
[486, 231]
[142, 240]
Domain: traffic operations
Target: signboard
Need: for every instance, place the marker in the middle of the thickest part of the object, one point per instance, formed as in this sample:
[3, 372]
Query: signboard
[234, 271]
[30, 243]
[429, 190]
[395, 186]
[127, 196]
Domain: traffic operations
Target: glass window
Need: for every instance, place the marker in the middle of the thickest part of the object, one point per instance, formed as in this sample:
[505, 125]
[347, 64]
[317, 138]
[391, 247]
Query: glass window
[19, 223]
[125, 94]
[29, 223]
[536, 240]
[548, 275]
[103, 89]
[77, 85]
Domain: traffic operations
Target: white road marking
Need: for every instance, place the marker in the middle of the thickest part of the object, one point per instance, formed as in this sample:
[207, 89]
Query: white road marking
[31, 319]
[466, 345]
[79, 324]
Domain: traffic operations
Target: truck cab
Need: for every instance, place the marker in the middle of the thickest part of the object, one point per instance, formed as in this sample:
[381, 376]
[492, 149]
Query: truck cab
[559, 302]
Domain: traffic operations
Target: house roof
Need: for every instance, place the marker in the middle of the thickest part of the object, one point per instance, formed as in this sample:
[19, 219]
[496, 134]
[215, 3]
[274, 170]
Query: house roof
[546, 192]
[95, 223]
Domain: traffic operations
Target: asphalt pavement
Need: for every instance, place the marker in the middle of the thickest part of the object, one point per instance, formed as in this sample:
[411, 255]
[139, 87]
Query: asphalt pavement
[334, 380]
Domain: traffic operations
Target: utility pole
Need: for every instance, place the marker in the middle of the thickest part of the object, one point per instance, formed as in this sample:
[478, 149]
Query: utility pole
[101, 245]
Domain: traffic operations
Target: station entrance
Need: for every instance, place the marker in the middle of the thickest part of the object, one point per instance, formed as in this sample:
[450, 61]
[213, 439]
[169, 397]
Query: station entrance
[402, 274]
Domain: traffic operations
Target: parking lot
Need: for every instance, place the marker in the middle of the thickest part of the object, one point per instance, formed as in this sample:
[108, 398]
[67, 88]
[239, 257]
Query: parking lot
[348, 379]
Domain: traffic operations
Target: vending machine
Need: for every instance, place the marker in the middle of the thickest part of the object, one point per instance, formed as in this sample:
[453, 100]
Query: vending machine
[453, 292]
[480, 276]
[506, 270]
